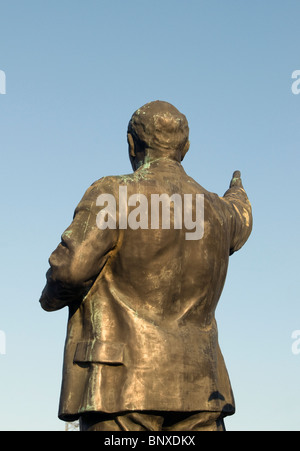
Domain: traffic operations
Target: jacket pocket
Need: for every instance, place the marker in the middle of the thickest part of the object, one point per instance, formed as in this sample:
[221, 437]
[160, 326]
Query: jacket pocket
[99, 352]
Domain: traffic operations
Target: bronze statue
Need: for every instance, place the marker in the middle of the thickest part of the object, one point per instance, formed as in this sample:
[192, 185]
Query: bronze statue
[142, 348]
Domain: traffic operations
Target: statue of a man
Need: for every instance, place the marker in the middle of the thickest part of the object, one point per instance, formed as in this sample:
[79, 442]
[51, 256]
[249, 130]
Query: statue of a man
[142, 348]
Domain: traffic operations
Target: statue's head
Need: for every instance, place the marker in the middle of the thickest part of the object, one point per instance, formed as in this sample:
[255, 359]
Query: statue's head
[157, 130]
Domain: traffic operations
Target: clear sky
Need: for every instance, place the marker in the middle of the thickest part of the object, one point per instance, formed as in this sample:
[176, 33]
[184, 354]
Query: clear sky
[75, 72]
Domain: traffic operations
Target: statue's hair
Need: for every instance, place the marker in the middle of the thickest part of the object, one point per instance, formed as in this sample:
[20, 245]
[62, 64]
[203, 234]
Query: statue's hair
[160, 126]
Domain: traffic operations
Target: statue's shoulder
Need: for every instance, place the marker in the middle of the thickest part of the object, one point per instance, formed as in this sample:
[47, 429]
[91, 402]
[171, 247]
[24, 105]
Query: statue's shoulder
[108, 183]
[199, 188]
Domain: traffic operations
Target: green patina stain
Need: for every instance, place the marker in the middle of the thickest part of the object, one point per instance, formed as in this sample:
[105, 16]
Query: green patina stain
[140, 174]
[127, 178]
[67, 234]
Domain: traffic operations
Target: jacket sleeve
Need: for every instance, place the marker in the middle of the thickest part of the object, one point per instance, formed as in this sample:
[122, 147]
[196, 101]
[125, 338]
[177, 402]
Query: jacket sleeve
[239, 211]
[78, 259]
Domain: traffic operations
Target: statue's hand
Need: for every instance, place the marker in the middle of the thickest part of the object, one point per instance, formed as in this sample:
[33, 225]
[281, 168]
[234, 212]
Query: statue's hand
[236, 180]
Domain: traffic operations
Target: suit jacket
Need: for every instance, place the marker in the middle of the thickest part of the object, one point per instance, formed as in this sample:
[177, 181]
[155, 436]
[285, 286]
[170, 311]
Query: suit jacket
[141, 332]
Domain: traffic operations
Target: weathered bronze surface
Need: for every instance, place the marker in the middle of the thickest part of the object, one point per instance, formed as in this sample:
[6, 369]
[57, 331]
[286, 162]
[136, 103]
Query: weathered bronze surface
[141, 334]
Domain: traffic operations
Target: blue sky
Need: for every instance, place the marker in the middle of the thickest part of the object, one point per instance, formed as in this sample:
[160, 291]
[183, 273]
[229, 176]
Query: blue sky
[75, 72]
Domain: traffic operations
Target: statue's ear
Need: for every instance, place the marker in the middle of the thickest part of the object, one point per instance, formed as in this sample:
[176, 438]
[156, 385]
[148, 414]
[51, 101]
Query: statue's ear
[185, 149]
[131, 145]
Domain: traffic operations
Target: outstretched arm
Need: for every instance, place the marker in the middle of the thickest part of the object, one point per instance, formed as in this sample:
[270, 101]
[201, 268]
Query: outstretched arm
[240, 212]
